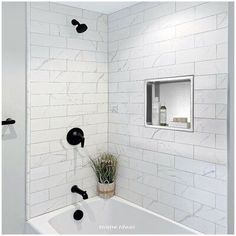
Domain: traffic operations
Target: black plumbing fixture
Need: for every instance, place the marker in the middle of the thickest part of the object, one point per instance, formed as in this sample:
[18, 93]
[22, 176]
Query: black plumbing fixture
[75, 189]
[78, 215]
[8, 121]
[76, 136]
[80, 27]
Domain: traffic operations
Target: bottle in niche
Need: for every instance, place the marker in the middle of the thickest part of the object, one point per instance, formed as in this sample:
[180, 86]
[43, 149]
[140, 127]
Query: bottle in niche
[163, 116]
[155, 111]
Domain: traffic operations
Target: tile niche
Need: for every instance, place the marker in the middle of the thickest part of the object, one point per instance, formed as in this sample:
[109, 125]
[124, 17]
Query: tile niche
[169, 103]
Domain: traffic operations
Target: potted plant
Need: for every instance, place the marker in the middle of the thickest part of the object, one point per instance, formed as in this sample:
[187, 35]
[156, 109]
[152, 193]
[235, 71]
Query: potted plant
[105, 166]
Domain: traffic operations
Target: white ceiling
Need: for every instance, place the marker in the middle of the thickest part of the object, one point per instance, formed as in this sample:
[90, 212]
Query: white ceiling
[103, 7]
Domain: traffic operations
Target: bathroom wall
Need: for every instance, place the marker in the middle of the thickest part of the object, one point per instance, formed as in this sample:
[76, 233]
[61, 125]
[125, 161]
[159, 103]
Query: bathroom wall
[176, 174]
[180, 175]
[67, 87]
[14, 107]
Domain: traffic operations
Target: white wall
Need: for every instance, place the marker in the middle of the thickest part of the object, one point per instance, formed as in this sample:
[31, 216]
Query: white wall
[176, 174]
[13, 106]
[67, 87]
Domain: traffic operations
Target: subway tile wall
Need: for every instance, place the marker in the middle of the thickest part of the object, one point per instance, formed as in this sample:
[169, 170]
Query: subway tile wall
[179, 175]
[67, 87]
[176, 174]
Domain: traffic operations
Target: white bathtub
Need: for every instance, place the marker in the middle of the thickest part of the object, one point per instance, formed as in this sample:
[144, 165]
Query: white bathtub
[111, 216]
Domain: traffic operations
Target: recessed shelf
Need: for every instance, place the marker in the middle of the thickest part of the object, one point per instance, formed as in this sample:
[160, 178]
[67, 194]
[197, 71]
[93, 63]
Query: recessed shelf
[169, 103]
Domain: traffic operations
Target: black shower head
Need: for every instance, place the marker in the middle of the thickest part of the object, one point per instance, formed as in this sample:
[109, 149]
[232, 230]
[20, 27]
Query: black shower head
[80, 27]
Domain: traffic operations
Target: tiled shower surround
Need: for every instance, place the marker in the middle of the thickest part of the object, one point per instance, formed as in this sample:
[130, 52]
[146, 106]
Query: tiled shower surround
[67, 87]
[180, 175]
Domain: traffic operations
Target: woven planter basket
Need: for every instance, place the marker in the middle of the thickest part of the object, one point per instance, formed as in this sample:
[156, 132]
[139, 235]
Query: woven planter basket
[106, 190]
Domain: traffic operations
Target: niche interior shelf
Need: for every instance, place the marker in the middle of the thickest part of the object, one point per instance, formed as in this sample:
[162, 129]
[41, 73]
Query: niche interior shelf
[169, 103]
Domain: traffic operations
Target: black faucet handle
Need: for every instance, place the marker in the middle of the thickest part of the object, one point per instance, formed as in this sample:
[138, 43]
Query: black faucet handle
[82, 141]
[75, 136]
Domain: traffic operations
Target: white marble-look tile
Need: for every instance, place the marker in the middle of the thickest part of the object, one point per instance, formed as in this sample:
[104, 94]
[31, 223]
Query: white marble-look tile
[210, 184]
[159, 134]
[208, 9]
[47, 40]
[175, 175]
[134, 153]
[143, 143]
[47, 182]
[67, 10]
[198, 224]
[47, 206]
[146, 167]
[205, 82]
[197, 26]
[173, 148]
[129, 195]
[160, 10]
[38, 197]
[222, 20]
[211, 214]
[37, 51]
[158, 158]
[221, 172]
[211, 67]
[211, 38]
[196, 54]
[185, 5]
[39, 124]
[221, 202]
[195, 194]
[221, 111]
[222, 80]
[38, 173]
[210, 126]
[38, 75]
[221, 229]
[210, 96]
[159, 183]
[204, 110]
[199, 139]
[222, 50]
[158, 207]
[221, 141]
[142, 188]
[39, 148]
[212, 155]
[175, 201]
[195, 166]
[184, 43]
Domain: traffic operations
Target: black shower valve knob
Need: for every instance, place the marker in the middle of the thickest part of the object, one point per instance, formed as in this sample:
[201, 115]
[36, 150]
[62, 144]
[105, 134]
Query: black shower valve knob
[76, 136]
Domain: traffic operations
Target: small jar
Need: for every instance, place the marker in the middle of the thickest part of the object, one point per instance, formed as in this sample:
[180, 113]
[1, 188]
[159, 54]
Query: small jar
[163, 116]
